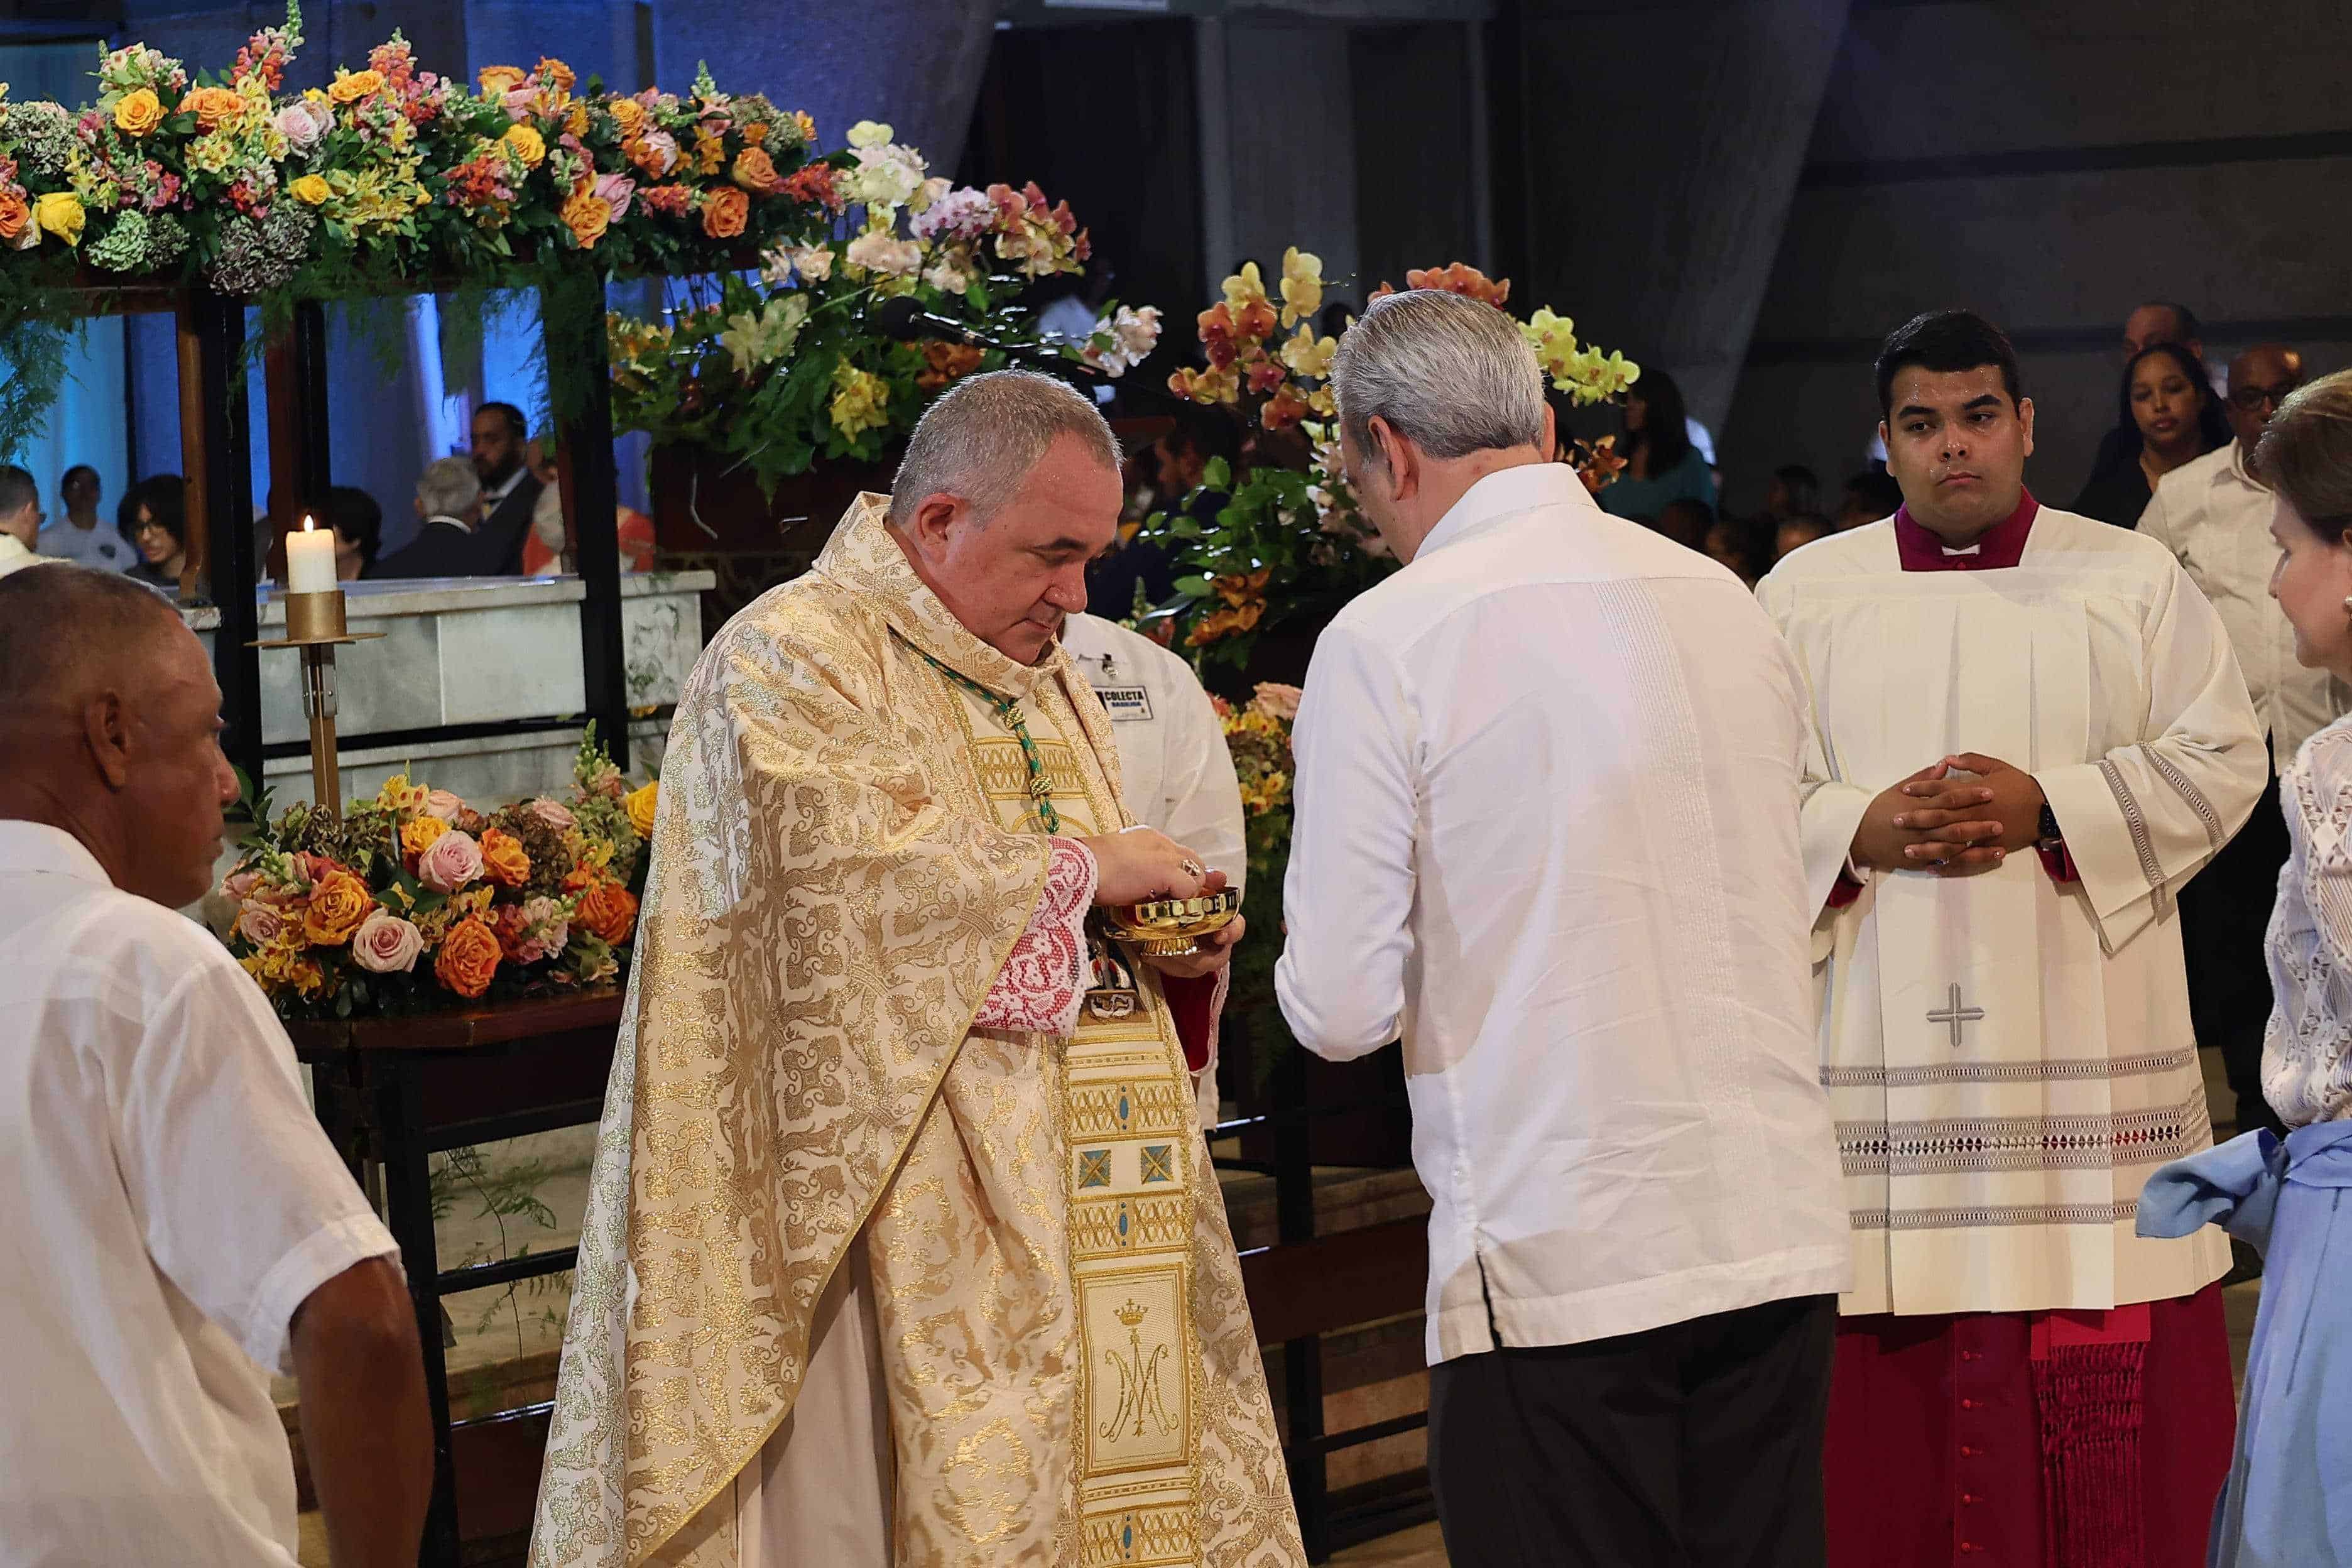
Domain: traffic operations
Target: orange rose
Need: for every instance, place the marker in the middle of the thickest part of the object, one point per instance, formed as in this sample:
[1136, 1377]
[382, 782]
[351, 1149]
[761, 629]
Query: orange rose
[417, 837]
[755, 170]
[576, 123]
[607, 913]
[498, 81]
[343, 89]
[628, 114]
[588, 215]
[14, 214]
[468, 957]
[338, 902]
[557, 72]
[212, 105]
[503, 858]
[723, 211]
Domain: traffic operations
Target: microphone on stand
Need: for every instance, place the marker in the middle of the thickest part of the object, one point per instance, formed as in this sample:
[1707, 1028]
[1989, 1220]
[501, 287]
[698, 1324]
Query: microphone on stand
[904, 320]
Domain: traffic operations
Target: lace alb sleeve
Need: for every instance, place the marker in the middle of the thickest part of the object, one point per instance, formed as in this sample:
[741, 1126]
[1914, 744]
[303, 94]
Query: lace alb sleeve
[2308, 1054]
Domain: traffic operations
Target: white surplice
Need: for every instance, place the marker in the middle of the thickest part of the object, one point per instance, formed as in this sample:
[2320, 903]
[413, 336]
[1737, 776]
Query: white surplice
[2009, 1059]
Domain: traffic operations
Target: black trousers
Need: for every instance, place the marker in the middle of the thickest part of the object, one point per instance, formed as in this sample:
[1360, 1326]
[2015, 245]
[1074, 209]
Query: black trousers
[2225, 915]
[1698, 1445]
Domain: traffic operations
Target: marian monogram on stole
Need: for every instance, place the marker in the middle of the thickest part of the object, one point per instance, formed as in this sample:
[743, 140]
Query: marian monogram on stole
[1132, 1148]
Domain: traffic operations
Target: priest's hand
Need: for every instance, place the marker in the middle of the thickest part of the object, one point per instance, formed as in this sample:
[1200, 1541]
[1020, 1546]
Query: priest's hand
[2013, 797]
[1929, 822]
[1216, 949]
[1142, 864]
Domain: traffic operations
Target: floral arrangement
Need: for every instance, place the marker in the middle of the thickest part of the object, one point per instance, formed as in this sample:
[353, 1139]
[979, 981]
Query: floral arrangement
[390, 173]
[1257, 737]
[781, 373]
[415, 901]
[1289, 536]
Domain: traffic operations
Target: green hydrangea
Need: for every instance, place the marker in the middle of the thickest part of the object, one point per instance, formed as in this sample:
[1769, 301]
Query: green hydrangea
[44, 135]
[137, 242]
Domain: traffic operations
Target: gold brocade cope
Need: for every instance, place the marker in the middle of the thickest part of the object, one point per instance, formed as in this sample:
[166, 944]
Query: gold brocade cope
[843, 862]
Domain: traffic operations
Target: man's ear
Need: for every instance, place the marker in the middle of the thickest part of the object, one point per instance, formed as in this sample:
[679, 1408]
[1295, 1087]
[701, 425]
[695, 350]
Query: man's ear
[1397, 454]
[1550, 445]
[935, 518]
[106, 729]
[2025, 417]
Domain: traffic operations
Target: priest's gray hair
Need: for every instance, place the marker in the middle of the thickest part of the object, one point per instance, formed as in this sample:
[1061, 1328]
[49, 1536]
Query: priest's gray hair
[1450, 374]
[980, 440]
[448, 487]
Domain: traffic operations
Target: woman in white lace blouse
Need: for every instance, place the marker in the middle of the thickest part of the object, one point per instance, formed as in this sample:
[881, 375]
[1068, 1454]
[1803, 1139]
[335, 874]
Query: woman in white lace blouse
[2289, 1497]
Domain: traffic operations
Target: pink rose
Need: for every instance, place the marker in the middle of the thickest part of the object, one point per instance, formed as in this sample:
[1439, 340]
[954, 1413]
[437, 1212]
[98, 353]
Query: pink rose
[385, 942]
[616, 189]
[304, 123]
[440, 803]
[259, 923]
[239, 887]
[555, 813]
[454, 860]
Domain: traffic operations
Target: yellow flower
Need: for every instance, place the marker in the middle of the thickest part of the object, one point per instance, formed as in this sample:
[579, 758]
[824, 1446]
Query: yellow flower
[1305, 354]
[138, 112]
[1244, 289]
[805, 123]
[310, 190]
[417, 837]
[351, 87]
[860, 401]
[576, 123]
[628, 114]
[498, 81]
[640, 803]
[528, 144]
[60, 213]
[1302, 286]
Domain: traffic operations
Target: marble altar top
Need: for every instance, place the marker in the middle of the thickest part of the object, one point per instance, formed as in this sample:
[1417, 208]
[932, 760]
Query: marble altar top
[437, 596]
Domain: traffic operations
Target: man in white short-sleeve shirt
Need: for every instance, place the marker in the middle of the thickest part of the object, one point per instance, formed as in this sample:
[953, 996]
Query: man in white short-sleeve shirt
[177, 1226]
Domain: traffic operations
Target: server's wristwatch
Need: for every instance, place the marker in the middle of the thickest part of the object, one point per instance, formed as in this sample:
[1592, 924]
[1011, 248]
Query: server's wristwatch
[2047, 833]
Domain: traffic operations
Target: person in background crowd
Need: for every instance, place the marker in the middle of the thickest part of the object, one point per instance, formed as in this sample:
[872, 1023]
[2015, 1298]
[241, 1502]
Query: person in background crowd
[2174, 419]
[1795, 532]
[449, 500]
[2156, 322]
[510, 490]
[2214, 515]
[20, 520]
[1661, 464]
[544, 553]
[77, 535]
[1687, 522]
[154, 516]
[1871, 496]
[178, 1226]
[1795, 491]
[1742, 544]
[1183, 456]
[2282, 1506]
[358, 523]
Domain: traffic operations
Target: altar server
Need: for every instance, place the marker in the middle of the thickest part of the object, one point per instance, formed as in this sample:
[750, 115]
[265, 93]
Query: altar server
[176, 1225]
[2028, 732]
[1546, 799]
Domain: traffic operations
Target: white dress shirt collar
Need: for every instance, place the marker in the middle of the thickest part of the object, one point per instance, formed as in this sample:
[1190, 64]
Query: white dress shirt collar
[39, 848]
[1504, 493]
[2235, 468]
[492, 495]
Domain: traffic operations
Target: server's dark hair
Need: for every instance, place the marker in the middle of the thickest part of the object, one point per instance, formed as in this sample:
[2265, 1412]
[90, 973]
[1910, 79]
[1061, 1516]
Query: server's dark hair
[1946, 341]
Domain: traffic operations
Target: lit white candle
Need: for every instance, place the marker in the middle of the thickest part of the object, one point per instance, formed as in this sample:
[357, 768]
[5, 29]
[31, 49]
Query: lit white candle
[310, 560]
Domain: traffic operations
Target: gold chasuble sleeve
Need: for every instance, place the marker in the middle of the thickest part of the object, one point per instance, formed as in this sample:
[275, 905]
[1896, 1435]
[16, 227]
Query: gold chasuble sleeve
[840, 869]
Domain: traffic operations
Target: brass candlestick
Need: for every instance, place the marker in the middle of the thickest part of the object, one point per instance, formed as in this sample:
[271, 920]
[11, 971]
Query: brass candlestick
[314, 623]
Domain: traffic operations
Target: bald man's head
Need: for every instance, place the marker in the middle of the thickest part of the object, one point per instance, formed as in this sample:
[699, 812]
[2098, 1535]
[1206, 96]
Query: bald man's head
[110, 728]
[2260, 380]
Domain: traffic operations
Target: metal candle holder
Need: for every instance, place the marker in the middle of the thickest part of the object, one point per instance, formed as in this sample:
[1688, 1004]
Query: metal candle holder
[314, 623]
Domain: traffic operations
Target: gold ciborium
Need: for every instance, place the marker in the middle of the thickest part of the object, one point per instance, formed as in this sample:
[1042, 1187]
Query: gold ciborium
[1169, 928]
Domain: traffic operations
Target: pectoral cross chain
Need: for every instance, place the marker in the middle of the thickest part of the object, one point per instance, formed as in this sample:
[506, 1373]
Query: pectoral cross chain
[1957, 1016]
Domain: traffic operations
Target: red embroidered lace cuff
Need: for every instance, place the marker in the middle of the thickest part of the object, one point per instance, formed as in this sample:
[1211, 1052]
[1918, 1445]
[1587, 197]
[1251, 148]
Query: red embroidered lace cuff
[1040, 987]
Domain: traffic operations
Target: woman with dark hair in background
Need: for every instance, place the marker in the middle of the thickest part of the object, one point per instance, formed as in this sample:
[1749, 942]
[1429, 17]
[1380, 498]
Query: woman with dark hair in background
[1661, 464]
[358, 523]
[2170, 416]
[154, 516]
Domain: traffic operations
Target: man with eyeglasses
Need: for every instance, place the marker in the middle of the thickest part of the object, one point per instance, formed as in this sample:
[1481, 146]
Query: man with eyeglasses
[2215, 515]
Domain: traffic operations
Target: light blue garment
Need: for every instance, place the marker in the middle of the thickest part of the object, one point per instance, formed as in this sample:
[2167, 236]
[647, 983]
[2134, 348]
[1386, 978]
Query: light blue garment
[1686, 480]
[2288, 1503]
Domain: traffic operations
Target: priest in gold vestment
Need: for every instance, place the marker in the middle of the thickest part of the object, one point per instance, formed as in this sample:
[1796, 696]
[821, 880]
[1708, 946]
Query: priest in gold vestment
[902, 1246]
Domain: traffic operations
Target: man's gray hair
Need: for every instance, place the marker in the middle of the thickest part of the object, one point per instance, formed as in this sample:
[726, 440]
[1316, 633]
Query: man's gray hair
[980, 440]
[448, 487]
[1450, 374]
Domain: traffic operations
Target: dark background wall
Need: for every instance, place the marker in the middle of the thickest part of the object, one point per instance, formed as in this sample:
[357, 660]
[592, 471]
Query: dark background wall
[2053, 165]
